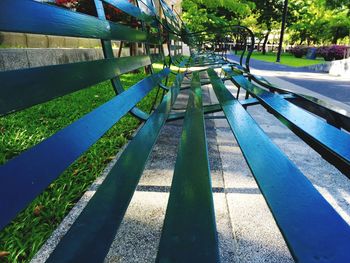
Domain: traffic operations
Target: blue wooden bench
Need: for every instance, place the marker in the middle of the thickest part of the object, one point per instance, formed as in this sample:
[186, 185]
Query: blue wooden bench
[313, 230]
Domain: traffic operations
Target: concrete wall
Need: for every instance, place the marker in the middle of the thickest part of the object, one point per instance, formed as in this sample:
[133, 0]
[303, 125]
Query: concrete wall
[335, 68]
[340, 68]
[15, 58]
[22, 40]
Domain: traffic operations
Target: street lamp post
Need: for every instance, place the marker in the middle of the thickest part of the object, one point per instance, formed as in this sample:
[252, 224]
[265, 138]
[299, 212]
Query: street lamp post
[284, 18]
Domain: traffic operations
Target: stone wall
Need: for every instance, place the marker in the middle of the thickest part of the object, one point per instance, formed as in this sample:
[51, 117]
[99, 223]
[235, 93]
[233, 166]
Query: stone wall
[17, 58]
[22, 40]
[335, 68]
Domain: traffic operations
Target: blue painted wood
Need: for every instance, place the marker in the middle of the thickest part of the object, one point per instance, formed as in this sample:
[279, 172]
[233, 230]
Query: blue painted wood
[32, 17]
[311, 227]
[26, 87]
[189, 231]
[26, 172]
[89, 238]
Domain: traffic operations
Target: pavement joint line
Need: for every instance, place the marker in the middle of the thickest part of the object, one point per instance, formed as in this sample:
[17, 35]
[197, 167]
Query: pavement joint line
[213, 99]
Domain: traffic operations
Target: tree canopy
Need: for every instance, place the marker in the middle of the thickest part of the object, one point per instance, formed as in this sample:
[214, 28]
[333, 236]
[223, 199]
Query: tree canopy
[309, 21]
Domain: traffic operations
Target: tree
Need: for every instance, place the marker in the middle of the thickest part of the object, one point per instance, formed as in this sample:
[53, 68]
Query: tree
[315, 22]
[268, 12]
[214, 16]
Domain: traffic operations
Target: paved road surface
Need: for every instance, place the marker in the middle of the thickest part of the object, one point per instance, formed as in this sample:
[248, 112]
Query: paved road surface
[337, 88]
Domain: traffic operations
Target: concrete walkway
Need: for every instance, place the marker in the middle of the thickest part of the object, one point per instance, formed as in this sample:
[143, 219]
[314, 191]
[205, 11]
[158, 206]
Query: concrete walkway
[246, 229]
[333, 87]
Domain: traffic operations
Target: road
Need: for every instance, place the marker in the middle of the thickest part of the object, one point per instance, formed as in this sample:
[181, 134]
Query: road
[334, 87]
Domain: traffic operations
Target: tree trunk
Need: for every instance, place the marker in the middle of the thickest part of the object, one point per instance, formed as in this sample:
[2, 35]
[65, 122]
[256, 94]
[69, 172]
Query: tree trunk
[133, 52]
[335, 37]
[259, 43]
[265, 41]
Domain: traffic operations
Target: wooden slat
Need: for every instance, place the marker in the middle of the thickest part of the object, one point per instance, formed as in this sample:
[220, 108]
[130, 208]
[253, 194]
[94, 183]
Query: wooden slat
[156, 57]
[26, 87]
[189, 231]
[28, 16]
[150, 7]
[324, 138]
[206, 109]
[336, 115]
[168, 12]
[89, 238]
[32, 171]
[311, 227]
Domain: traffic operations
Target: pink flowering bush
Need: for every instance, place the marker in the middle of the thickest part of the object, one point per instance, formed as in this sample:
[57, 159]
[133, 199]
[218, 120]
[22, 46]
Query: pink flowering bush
[298, 51]
[88, 7]
[334, 52]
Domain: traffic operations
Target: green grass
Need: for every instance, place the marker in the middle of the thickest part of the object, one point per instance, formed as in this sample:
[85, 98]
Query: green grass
[19, 131]
[287, 59]
[10, 46]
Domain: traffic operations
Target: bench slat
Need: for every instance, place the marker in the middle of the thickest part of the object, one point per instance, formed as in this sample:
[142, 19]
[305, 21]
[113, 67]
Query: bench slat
[168, 12]
[315, 131]
[206, 109]
[32, 171]
[28, 16]
[189, 231]
[89, 238]
[311, 227]
[24, 88]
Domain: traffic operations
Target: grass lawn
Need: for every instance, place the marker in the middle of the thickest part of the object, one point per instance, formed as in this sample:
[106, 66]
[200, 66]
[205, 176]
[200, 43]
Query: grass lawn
[287, 59]
[19, 131]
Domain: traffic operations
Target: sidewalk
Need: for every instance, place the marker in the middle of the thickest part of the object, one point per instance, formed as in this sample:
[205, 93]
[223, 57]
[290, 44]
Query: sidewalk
[304, 80]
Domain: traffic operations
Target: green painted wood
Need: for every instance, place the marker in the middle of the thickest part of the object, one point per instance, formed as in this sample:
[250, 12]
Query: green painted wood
[33, 170]
[334, 115]
[206, 110]
[26, 87]
[29, 16]
[108, 53]
[329, 141]
[311, 227]
[89, 238]
[189, 231]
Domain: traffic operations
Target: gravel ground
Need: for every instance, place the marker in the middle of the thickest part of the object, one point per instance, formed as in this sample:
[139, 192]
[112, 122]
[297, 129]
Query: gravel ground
[246, 229]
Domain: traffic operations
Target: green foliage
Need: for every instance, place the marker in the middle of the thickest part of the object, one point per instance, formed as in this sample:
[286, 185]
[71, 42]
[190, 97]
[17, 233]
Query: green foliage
[287, 59]
[316, 23]
[334, 4]
[214, 16]
[268, 11]
[308, 21]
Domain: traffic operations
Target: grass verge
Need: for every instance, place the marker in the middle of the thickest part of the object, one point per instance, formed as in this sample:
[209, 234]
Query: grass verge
[286, 59]
[19, 131]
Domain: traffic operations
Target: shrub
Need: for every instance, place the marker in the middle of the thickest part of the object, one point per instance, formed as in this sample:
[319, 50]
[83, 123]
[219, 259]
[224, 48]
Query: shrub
[333, 52]
[298, 51]
[88, 7]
